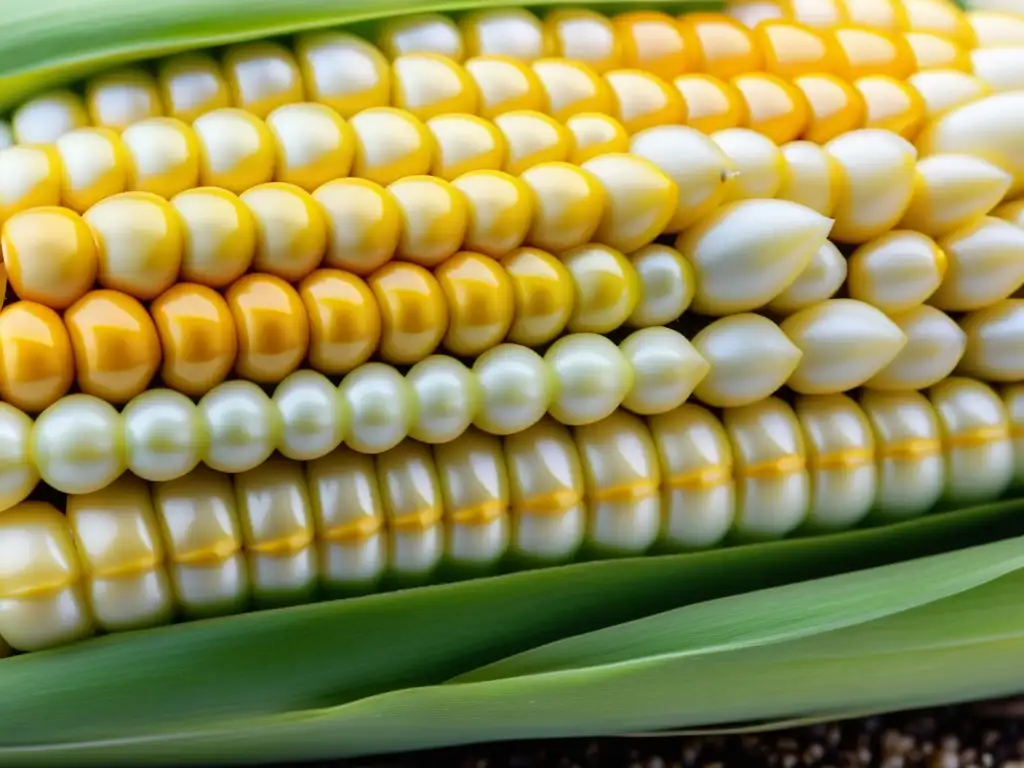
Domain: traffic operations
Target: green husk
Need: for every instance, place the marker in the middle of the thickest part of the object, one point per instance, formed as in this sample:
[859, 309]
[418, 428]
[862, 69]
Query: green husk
[43, 45]
[320, 677]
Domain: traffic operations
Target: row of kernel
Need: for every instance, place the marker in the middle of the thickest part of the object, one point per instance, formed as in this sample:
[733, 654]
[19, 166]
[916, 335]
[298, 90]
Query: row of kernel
[779, 259]
[140, 244]
[261, 76]
[208, 544]
[82, 444]
[263, 328]
[429, 86]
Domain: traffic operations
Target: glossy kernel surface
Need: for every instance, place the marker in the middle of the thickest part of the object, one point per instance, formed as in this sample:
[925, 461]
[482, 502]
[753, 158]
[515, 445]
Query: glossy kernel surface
[543, 290]
[344, 320]
[711, 104]
[192, 84]
[362, 224]
[643, 100]
[390, 144]
[568, 203]
[431, 84]
[139, 243]
[499, 211]
[236, 150]
[774, 106]
[480, 303]
[272, 327]
[290, 230]
[36, 363]
[433, 219]
[725, 48]
[197, 335]
[414, 313]
[218, 234]
[49, 255]
[343, 72]
[116, 348]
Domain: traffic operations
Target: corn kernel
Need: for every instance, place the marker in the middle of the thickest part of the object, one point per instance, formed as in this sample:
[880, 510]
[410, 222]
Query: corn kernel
[272, 327]
[198, 338]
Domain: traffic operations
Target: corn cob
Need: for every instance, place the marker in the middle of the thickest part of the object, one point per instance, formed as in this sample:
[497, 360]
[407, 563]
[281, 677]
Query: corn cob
[122, 559]
[500, 178]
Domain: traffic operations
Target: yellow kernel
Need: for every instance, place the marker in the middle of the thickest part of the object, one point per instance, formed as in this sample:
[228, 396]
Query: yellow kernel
[414, 313]
[750, 13]
[640, 200]
[499, 211]
[544, 293]
[47, 117]
[197, 336]
[344, 320]
[642, 100]
[343, 72]
[139, 243]
[884, 15]
[236, 150]
[480, 303]
[701, 171]
[891, 105]
[115, 344]
[865, 52]
[941, 18]
[531, 138]
[791, 49]
[775, 107]
[37, 367]
[820, 14]
[572, 88]
[465, 143]
[654, 42]
[568, 203]
[192, 84]
[421, 33]
[163, 156]
[594, 134]
[585, 36]
[711, 104]
[505, 85]
[362, 224]
[262, 76]
[312, 144]
[835, 106]
[93, 165]
[291, 232]
[606, 288]
[433, 219]
[725, 48]
[429, 84]
[219, 236]
[936, 52]
[117, 99]
[272, 327]
[390, 144]
[29, 177]
[511, 32]
[49, 255]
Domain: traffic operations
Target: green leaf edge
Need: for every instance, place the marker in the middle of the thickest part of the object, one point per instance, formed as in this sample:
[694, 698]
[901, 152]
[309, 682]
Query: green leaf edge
[95, 688]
